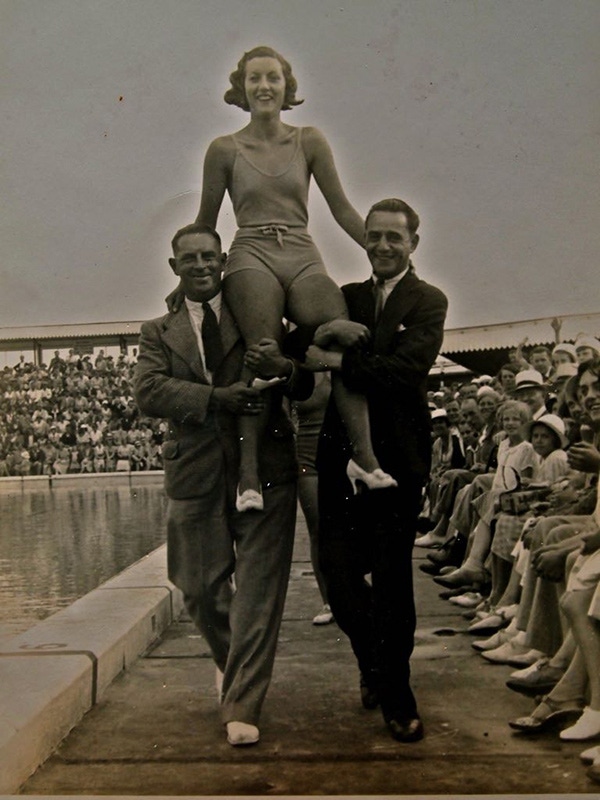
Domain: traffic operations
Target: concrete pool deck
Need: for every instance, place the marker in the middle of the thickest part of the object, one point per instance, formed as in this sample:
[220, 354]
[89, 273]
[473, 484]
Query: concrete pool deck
[154, 728]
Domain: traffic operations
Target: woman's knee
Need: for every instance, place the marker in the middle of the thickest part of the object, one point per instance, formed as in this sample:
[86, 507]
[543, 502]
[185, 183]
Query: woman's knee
[257, 302]
[314, 300]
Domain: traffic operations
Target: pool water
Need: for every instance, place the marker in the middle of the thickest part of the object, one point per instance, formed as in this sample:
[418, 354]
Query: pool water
[55, 546]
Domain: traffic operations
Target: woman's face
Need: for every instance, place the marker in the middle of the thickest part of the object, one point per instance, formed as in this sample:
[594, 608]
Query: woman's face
[487, 406]
[561, 358]
[264, 84]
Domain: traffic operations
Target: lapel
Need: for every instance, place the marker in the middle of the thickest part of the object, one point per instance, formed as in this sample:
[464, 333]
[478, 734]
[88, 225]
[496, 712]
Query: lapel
[180, 337]
[400, 303]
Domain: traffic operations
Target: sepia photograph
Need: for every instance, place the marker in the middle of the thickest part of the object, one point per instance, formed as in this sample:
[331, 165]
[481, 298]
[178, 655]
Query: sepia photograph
[300, 398]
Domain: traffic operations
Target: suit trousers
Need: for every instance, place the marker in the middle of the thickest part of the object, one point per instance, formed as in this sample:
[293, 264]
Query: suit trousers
[233, 569]
[373, 532]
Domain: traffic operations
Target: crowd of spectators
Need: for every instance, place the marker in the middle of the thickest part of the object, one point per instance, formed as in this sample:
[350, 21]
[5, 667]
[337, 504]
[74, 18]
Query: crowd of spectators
[511, 529]
[74, 415]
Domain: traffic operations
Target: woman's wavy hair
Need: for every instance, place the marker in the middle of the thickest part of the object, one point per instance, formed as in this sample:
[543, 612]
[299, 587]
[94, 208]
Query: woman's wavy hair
[236, 95]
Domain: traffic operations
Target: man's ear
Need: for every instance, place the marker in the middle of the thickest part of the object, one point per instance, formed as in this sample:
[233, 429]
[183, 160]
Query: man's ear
[223, 259]
[414, 242]
[173, 265]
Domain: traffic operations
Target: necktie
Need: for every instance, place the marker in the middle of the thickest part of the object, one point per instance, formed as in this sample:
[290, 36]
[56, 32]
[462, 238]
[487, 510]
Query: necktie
[379, 297]
[211, 339]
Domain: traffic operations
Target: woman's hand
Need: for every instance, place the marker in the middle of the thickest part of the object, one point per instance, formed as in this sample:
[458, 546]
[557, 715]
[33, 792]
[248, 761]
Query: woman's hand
[175, 299]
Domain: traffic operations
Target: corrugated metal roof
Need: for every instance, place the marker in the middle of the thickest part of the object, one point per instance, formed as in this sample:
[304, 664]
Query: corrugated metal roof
[84, 330]
[509, 334]
[456, 340]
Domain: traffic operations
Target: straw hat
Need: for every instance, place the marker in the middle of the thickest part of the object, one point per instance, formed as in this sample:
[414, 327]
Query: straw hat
[529, 379]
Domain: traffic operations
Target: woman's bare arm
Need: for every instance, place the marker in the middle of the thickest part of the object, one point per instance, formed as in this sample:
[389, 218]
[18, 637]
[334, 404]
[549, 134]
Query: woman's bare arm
[215, 180]
[320, 161]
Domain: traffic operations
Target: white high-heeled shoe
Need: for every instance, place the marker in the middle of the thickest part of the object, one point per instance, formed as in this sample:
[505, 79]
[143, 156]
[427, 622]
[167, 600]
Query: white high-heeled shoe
[249, 500]
[378, 479]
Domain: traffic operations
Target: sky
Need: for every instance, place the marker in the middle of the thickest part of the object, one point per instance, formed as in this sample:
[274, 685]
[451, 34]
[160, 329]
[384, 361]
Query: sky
[482, 114]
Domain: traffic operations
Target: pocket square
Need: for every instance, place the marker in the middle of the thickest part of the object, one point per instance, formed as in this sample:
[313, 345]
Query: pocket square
[400, 328]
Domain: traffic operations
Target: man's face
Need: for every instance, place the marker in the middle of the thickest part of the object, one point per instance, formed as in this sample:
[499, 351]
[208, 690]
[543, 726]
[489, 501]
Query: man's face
[389, 243]
[198, 262]
[541, 362]
[589, 396]
[453, 411]
[533, 397]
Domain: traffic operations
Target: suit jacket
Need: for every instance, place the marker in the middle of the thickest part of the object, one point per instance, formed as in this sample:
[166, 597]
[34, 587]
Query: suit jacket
[392, 373]
[202, 447]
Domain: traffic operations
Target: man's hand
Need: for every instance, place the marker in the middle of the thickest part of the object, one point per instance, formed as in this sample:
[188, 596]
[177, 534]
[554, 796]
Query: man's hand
[549, 563]
[319, 360]
[584, 457]
[238, 399]
[342, 332]
[267, 360]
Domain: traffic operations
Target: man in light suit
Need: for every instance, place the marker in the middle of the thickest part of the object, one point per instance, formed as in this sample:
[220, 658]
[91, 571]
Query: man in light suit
[374, 530]
[188, 369]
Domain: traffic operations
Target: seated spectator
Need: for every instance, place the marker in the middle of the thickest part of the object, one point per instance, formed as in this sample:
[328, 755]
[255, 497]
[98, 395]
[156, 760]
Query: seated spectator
[586, 348]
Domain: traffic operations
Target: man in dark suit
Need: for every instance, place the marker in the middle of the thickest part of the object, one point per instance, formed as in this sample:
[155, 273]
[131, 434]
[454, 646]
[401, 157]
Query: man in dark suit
[373, 531]
[188, 369]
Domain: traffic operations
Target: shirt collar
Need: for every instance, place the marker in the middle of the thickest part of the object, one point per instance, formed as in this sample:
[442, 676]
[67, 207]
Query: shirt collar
[195, 308]
[391, 283]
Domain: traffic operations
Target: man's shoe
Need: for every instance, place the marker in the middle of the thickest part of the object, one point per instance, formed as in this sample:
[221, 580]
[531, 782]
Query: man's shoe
[242, 733]
[406, 730]
[324, 617]
[369, 693]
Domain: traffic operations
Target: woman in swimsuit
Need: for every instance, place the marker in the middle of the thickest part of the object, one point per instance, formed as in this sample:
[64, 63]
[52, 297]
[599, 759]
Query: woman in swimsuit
[274, 269]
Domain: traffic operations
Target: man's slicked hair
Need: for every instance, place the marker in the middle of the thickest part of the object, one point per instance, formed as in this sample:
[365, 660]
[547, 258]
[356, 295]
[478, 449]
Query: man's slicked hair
[194, 227]
[397, 206]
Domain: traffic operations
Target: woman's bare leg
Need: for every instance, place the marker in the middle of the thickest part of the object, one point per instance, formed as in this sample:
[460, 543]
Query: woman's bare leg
[312, 301]
[256, 300]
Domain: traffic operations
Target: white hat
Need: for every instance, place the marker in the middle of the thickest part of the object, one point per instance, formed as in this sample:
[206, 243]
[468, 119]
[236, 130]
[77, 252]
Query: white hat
[564, 371]
[565, 347]
[583, 340]
[527, 379]
[485, 389]
[483, 380]
[553, 422]
[439, 413]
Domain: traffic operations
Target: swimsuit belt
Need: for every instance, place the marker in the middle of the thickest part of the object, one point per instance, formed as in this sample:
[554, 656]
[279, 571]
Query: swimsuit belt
[274, 230]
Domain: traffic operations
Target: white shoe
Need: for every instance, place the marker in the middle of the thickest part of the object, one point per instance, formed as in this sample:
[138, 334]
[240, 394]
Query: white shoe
[241, 733]
[527, 671]
[586, 727]
[428, 540]
[494, 641]
[467, 600]
[590, 755]
[378, 479]
[324, 617]
[219, 683]
[513, 653]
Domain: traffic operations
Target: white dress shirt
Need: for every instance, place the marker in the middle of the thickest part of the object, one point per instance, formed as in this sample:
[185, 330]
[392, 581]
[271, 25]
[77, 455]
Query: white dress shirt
[196, 313]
